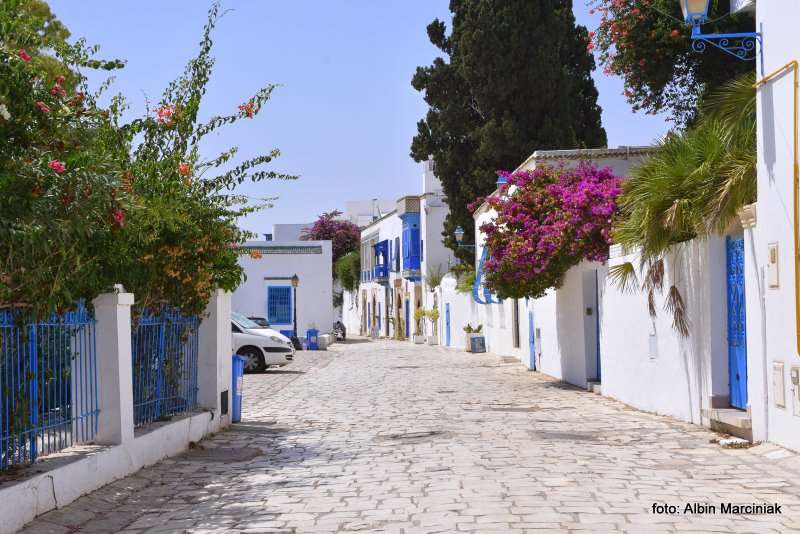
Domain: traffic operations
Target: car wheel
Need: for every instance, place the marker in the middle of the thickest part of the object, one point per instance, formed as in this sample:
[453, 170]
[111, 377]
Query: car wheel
[254, 360]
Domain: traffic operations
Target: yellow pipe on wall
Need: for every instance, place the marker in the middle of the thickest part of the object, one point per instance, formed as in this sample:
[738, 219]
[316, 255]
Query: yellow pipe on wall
[796, 171]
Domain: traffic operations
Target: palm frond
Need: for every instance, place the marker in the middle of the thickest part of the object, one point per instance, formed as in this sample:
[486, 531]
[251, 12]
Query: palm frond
[677, 307]
[624, 277]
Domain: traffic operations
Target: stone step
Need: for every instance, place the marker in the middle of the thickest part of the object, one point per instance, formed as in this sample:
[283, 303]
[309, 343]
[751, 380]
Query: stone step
[593, 387]
[732, 421]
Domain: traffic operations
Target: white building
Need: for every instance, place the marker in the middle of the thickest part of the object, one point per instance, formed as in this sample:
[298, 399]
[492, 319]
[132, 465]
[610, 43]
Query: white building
[365, 212]
[267, 291]
[558, 333]
[772, 273]
[287, 232]
[398, 250]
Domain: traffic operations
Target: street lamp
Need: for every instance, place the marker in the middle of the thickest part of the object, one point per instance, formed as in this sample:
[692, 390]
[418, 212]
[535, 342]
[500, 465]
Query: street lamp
[695, 11]
[459, 233]
[739, 45]
[295, 283]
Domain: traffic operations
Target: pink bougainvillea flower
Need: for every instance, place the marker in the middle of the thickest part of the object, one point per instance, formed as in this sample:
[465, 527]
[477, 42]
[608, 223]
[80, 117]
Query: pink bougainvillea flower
[23, 55]
[60, 79]
[118, 217]
[42, 107]
[675, 33]
[57, 166]
[184, 169]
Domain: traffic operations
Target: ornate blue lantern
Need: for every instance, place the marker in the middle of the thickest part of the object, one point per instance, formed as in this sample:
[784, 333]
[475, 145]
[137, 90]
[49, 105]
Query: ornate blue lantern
[740, 45]
[695, 12]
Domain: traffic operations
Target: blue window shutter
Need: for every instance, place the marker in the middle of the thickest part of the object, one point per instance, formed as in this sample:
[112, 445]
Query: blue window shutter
[279, 305]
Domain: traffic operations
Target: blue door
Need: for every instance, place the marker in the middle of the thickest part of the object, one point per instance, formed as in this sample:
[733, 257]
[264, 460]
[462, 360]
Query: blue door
[737, 338]
[531, 342]
[408, 325]
[447, 323]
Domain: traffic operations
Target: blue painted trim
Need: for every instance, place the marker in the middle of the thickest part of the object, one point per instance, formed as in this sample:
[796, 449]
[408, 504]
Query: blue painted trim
[476, 286]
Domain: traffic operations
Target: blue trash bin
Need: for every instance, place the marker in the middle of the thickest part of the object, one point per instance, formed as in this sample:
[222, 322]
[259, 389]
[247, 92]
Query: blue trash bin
[312, 339]
[237, 385]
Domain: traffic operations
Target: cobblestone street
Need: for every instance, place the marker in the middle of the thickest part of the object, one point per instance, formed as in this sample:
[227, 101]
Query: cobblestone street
[389, 437]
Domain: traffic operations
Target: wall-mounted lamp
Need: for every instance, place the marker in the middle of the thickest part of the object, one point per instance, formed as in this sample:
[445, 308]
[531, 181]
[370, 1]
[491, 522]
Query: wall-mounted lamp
[459, 233]
[744, 46]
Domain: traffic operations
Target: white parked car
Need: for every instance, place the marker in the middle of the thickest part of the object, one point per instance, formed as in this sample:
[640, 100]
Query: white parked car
[261, 347]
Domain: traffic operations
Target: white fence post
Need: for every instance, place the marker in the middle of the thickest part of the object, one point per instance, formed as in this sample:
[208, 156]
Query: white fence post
[114, 368]
[214, 365]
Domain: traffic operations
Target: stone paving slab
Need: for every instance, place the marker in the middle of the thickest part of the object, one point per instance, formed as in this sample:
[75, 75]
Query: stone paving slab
[391, 437]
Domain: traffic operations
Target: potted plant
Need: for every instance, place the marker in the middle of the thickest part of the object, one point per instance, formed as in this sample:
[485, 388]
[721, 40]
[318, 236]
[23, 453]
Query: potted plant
[433, 317]
[419, 335]
[470, 333]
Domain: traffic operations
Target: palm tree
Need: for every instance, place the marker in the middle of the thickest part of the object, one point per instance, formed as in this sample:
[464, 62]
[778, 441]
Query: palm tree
[693, 186]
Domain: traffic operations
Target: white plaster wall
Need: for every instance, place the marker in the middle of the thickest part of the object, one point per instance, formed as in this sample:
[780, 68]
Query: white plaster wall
[288, 232]
[462, 311]
[645, 362]
[351, 312]
[771, 333]
[314, 294]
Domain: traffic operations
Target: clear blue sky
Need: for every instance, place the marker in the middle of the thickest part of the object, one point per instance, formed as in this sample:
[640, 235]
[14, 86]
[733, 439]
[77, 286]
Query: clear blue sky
[346, 112]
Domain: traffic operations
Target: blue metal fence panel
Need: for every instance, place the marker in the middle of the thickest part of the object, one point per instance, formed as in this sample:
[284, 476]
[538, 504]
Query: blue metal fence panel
[165, 348]
[48, 384]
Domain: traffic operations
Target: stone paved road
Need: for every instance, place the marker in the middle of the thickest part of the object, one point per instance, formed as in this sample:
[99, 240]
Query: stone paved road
[387, 437]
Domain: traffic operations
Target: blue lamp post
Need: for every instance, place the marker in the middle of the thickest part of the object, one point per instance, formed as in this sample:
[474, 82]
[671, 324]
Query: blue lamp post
[740, 45]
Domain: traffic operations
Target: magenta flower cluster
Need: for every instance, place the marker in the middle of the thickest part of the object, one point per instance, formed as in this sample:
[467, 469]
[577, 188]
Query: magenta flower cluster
[344, 235]
[548, 220]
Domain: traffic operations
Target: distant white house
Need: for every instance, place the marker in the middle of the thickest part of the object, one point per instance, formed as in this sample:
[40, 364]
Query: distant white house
[398, 250]
[267, 292]
[364, 212]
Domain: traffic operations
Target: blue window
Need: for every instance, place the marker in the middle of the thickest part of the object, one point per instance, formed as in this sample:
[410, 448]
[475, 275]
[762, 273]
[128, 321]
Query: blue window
[421, 250]
[279, 305]
[397, 254]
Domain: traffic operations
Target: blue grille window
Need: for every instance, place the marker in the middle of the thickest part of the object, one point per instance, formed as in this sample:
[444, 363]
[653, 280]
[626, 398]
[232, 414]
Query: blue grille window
[279, 305]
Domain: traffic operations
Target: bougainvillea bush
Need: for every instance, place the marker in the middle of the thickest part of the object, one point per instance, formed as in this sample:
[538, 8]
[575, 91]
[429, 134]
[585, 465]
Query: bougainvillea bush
[548, 220]
[344, 235]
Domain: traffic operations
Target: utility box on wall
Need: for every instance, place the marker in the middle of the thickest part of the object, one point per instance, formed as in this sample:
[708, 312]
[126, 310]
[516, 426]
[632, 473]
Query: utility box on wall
[778, 385]
[794, 376]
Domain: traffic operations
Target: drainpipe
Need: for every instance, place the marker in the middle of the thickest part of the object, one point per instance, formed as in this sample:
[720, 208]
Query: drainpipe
[796, 188]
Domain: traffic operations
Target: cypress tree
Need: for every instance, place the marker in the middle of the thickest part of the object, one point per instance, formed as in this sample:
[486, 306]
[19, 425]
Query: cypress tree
[516, 77]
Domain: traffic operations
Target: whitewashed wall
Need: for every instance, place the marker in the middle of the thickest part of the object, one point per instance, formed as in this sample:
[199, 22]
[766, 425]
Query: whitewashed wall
[645, 362]
[566, 318]
[314, 294]
[771, 321]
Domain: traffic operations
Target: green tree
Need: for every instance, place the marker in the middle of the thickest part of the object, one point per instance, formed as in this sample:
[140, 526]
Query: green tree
[348, 270]
[647, 43]
[516, 78]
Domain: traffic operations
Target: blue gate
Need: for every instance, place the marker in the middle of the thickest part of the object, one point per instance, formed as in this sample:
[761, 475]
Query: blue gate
[737, 337]
[447, 323]
[48, 384]
[531, 342]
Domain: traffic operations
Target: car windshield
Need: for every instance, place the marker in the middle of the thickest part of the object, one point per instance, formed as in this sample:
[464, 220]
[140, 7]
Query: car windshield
[243, 321]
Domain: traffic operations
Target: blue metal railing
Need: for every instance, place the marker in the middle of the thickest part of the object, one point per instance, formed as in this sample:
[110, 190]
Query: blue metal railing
[48, 384]
[165, 347]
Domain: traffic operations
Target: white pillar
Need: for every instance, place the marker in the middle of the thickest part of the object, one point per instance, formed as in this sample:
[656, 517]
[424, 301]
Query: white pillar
[114, 368]
[214, 365]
